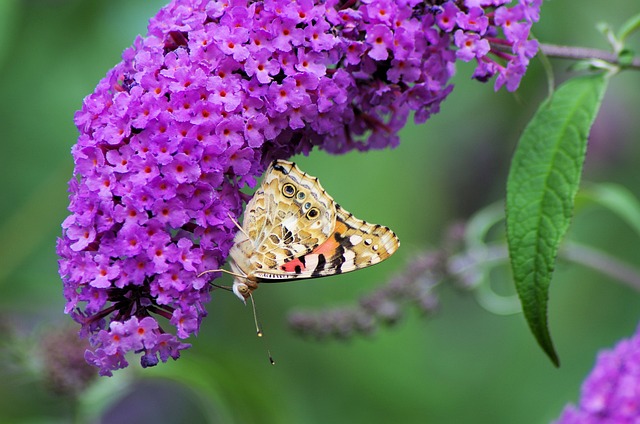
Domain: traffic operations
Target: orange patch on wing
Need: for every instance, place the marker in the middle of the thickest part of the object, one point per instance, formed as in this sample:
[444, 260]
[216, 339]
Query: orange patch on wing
[291, 266]
[331, 244]
[327, 248]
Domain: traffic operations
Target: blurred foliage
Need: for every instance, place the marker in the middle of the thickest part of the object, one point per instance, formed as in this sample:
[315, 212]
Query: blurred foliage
[462, 365]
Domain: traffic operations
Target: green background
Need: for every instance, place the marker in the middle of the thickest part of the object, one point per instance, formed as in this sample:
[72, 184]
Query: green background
[464, 364]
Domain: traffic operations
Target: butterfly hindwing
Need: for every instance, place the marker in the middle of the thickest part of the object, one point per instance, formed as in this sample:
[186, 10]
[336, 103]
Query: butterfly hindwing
[354, 244]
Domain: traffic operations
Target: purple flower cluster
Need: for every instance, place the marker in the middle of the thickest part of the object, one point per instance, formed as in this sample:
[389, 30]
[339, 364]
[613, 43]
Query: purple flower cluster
[479, 30]
[198, 108]
[611, 393]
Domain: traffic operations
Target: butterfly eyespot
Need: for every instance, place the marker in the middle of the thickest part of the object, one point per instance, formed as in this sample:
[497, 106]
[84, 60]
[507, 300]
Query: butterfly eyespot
[288, 190]
[313, 213]
[306, 206]
[301, 195]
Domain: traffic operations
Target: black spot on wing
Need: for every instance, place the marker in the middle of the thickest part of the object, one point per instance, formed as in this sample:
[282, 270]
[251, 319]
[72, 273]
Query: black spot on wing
[337, 261]
[287, 235]
[344, 242]
[280, 168]
[322, 261]
[338, 257]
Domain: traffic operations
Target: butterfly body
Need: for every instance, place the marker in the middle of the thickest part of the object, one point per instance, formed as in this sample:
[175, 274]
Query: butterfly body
[292, 229]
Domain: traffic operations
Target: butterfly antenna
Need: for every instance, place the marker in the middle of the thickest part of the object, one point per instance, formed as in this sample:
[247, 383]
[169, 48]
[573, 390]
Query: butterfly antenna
[258, 329]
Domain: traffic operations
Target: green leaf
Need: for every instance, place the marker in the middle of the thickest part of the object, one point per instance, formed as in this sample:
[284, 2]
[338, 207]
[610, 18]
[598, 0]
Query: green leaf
[541, 187]
[606, 30]
[629, 27]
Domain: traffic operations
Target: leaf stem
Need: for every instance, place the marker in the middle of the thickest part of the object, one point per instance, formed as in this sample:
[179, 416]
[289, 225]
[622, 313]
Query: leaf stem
[570, 52]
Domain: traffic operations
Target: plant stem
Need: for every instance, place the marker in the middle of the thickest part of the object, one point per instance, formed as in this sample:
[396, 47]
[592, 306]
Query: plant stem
[566, 52]
[570, 251]
[600, 261]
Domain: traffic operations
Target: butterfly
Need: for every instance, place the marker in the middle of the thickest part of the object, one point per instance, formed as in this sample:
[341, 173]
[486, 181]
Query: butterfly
[293, 230]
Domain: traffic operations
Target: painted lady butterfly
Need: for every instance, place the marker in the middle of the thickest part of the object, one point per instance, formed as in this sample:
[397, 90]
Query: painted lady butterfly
[292, 230]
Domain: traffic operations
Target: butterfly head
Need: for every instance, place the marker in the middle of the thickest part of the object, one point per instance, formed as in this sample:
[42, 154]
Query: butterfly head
[243, 289]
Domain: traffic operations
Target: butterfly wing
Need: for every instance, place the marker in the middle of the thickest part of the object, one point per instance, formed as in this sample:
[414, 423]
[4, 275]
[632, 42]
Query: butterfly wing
[288, 217]
[353, 244]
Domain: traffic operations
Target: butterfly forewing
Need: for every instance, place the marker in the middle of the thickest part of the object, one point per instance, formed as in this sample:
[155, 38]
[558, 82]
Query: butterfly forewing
[278, 220]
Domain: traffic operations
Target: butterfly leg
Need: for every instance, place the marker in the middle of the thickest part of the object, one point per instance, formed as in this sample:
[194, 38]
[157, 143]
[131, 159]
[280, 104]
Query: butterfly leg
[217, 286]
[222, 270]
[242, 285]
[238, 225]
[235, 275]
